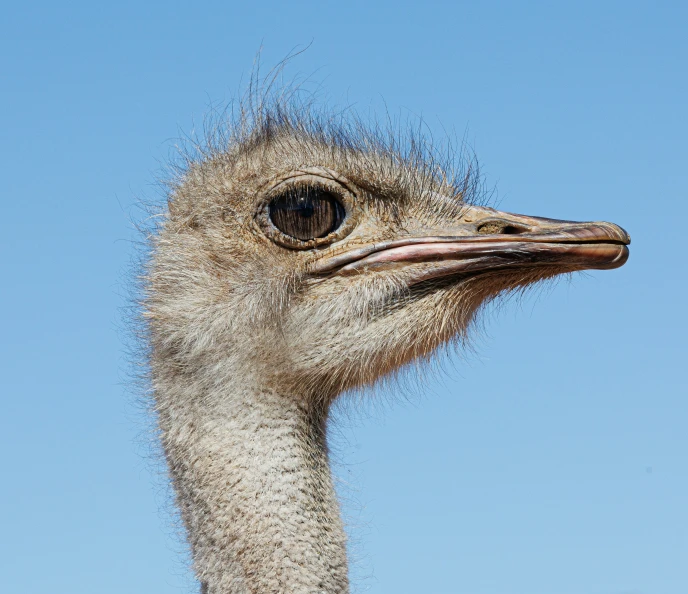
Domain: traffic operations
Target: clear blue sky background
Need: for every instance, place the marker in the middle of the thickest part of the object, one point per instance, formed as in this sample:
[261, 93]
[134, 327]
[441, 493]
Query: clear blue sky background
[552, 461]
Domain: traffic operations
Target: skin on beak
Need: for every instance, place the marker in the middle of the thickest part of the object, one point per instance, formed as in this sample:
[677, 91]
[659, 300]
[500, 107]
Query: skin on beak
[483, 240]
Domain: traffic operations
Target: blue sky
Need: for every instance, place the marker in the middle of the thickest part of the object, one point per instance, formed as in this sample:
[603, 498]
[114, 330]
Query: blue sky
[552, 460]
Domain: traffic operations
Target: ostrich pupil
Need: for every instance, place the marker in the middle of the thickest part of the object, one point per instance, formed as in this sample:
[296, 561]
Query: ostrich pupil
[306, 213]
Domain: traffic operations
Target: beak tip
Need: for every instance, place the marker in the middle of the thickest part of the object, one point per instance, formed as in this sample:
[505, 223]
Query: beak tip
[619, 232]
[616, 262]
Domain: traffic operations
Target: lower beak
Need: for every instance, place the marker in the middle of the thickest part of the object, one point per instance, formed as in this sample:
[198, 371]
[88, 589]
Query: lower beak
[484, 240]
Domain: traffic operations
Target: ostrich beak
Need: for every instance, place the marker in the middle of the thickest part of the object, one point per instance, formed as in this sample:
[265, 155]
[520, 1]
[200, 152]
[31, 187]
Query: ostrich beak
[485, 240]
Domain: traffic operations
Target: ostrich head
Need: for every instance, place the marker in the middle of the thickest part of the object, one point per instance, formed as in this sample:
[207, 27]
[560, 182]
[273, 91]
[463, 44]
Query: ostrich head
[295, 262]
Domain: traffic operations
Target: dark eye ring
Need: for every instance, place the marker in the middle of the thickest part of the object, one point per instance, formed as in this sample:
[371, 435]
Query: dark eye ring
[306, 212]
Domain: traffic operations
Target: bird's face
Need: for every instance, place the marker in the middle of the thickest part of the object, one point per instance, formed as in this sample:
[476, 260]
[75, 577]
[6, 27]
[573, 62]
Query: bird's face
[330, 268]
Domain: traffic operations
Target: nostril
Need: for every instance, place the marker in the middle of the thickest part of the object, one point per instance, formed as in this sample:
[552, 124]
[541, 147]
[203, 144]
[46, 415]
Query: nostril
[500, 228]
[490, 228]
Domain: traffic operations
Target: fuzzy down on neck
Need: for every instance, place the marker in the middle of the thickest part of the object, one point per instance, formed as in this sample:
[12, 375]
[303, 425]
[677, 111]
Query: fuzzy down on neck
[253, 484]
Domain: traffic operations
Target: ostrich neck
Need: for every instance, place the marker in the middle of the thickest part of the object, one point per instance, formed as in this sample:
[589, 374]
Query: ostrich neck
[252, 479]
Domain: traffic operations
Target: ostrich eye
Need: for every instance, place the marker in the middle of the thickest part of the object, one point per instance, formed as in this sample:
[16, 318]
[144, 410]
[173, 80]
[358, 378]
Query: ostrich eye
[306, 213]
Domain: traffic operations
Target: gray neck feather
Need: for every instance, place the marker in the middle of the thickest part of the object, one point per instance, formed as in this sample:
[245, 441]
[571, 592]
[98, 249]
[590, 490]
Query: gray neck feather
[252, 479]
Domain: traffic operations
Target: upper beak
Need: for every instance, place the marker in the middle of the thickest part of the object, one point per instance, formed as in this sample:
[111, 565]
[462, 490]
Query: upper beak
[486, 239]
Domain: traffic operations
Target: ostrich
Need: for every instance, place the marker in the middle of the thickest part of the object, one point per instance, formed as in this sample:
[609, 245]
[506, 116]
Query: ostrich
[300, 257]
